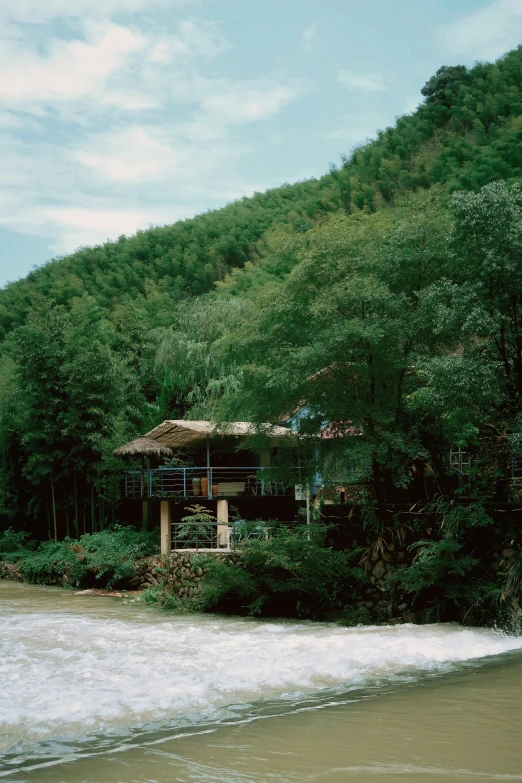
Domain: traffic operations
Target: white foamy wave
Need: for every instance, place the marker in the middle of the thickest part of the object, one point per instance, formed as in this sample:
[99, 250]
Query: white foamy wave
[71, 674]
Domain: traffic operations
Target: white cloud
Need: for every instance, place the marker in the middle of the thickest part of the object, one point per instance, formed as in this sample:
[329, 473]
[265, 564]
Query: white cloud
[42, 11]
[79, 226]
[9, 120]
[112, 65]
[69, 69]
[361, 81]
[104, 114]
[136, 154]
[195, 40]
[487, 33]
[308, 35]
[188, 158]
[247, 101]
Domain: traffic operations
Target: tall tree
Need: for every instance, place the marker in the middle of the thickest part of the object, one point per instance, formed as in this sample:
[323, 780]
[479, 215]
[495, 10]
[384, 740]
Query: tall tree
[343, 338]
[487, 257]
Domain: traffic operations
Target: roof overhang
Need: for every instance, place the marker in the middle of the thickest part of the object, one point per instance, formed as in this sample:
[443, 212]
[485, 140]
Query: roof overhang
[179, 433]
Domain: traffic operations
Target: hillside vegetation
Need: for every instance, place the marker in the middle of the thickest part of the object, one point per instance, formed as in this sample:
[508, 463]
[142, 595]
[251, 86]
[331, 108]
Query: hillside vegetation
[468, 132]
[377, 270]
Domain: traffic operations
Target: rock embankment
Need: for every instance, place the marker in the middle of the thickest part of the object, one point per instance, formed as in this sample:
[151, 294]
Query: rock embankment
[10, 571]
[181, 573]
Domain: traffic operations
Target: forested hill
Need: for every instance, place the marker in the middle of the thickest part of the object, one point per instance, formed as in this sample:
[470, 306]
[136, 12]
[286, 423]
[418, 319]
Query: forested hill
[409, 295]
[468, 132]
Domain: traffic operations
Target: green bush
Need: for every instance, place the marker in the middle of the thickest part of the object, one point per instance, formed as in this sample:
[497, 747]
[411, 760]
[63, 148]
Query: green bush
[113, 553]
[104, 558]
[50, 562]
[14, 545]
[452, 578]
[290, 574]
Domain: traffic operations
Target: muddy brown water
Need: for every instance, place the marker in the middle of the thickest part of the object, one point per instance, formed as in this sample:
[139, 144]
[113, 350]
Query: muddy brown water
[100, 691]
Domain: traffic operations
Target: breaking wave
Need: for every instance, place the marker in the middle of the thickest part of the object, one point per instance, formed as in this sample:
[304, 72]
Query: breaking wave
[67, 673]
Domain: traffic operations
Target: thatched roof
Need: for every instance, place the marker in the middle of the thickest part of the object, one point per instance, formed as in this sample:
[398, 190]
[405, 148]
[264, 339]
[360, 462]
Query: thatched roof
[143, 447]
[178, 433]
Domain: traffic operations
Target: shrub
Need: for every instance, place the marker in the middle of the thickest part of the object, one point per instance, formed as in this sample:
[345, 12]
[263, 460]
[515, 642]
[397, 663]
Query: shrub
[290, 574]
[113, 553]
[50, 562]
[14, 545]
[452, 577]
[107, 557]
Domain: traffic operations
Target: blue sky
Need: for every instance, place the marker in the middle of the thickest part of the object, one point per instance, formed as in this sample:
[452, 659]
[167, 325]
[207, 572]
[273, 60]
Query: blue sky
[119, 114]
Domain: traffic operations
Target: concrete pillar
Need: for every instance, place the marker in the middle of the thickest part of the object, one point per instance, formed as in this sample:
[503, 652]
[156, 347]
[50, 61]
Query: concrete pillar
[222, 522]
[145, 515]
[165, 528]
[264, 459]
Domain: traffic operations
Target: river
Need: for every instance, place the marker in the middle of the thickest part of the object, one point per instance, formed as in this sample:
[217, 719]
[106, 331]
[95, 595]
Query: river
[97, 691]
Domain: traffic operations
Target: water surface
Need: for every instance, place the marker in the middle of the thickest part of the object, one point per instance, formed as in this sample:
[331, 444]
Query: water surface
[99, 691]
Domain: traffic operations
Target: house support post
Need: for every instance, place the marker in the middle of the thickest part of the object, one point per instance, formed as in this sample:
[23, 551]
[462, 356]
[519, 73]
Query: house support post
[264, 458]
[145, 515]
[165, 528]
[222, 523]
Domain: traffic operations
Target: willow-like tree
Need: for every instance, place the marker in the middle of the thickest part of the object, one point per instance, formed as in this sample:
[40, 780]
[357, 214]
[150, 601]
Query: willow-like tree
[192, 357]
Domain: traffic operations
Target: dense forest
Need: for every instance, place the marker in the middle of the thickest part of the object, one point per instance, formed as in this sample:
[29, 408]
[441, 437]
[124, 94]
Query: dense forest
[384, 298]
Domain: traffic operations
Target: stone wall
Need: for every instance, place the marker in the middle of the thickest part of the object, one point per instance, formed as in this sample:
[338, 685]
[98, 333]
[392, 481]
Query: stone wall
[10, 571]
[181, 572]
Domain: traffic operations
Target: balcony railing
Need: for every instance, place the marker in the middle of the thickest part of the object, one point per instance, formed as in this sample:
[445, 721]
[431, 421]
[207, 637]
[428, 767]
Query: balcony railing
[194, 536]
[214, 482]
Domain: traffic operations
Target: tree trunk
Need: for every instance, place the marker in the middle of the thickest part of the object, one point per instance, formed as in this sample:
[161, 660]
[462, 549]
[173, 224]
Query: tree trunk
[67, 529]
[76, 521]
[54, 509]
[48, 515]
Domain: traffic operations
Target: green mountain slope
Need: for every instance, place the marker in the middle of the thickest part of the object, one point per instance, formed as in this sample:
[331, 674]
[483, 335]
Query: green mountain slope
[468, 132]
[183, 259]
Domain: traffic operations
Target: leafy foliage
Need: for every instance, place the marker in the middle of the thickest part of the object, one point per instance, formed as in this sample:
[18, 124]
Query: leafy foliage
[14, 545]
[380, 302]
[452, 576]
[191, 356]
[290, 574]
[103, 558]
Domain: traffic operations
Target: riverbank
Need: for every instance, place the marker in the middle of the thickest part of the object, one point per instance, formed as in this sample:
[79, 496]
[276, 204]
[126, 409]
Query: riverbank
[460, 564]
[236, 582]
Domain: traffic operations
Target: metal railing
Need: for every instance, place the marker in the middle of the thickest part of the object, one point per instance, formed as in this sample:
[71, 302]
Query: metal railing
[213, 482]
[515, 466]
[192, 535]
[195, 536]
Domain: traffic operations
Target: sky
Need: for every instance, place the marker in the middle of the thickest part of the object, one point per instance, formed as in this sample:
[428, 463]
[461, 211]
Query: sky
[120, 114]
